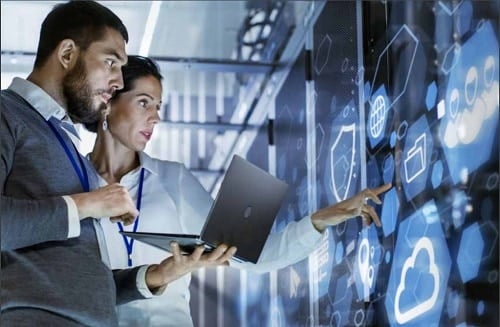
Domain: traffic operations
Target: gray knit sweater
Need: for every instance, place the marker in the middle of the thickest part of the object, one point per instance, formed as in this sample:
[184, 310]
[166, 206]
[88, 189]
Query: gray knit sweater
[46, 278]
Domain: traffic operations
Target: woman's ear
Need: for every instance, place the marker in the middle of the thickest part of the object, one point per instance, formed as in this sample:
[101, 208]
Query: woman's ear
[67, 53]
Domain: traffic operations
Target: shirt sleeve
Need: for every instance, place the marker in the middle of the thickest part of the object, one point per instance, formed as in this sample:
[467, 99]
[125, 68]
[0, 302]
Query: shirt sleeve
[143, 288]
[294, 243]
[73, 219]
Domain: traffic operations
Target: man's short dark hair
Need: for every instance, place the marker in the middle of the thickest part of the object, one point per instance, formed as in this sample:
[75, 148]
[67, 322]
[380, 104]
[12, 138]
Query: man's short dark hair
[82, 21]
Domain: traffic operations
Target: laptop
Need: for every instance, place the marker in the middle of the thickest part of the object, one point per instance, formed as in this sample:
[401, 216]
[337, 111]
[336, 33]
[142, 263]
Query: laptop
[241, 215]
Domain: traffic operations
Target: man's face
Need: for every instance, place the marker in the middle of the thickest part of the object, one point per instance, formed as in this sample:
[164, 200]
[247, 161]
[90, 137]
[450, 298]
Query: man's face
[89, 85]
[78, 93]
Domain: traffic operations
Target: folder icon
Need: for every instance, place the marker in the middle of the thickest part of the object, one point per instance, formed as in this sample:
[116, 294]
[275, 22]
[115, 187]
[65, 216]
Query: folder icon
[415, 160]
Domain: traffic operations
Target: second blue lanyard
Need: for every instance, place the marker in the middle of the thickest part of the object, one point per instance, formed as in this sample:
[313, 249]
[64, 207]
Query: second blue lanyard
[129, 242]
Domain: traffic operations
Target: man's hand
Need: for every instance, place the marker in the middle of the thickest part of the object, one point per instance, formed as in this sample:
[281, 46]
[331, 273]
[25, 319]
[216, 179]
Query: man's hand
[178, 265]
[350, 208]
[109, 201]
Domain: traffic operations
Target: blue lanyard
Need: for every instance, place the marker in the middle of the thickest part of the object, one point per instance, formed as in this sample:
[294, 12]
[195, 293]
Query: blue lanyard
[79, 169]
[129, 242]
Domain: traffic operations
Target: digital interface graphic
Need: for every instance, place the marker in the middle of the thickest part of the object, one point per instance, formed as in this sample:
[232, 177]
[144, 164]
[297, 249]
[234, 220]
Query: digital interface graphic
[401, 92]
[428, 124]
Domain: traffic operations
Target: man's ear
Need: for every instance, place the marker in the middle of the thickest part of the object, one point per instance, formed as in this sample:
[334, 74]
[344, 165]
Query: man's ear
[67, 53]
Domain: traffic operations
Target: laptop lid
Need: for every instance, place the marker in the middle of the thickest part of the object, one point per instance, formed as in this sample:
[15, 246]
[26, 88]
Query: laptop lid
[244, 210]
[241, 215]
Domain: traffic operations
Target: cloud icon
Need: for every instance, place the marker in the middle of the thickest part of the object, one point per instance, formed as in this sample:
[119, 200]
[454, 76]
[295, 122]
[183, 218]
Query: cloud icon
[423, 244]
[467, 123]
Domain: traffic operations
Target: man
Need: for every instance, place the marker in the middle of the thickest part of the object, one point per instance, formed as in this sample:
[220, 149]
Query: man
[52, 273]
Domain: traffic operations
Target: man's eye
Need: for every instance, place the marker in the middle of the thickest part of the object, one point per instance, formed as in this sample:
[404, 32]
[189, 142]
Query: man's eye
[143, 103]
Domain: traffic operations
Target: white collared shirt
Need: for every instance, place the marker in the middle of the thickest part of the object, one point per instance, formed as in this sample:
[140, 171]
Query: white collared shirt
[173, 201]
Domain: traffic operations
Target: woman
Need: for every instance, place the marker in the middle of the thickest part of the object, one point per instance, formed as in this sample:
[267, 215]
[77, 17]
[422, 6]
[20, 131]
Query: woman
[171, 200]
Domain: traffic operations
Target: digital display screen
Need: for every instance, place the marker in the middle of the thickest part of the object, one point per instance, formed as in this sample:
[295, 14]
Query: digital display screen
[401, 92]
[420, 110]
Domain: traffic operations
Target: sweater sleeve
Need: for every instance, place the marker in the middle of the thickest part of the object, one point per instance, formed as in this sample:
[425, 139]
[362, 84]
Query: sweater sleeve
[126, 285]
[19, 229]
[18, 226]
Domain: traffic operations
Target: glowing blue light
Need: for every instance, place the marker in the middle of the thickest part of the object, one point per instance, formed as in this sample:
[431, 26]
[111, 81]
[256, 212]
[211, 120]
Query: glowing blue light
[470, 252]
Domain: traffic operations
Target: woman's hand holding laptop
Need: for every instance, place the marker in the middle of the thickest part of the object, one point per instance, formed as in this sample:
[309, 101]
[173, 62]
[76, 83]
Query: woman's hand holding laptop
[179, 264]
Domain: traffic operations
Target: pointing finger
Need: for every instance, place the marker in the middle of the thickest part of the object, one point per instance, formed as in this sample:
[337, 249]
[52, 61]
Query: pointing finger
[382, 189]
[373, 215]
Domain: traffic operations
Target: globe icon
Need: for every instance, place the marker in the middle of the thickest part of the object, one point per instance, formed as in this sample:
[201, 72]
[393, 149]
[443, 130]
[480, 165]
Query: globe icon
[377, 116]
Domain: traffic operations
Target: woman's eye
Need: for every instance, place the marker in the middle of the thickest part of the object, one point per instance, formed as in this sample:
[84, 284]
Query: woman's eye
[110, 62]
[143, 103]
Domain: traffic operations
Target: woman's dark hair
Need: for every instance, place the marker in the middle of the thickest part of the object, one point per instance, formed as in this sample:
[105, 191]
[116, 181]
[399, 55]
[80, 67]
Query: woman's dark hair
[82, 21]
[136, 67]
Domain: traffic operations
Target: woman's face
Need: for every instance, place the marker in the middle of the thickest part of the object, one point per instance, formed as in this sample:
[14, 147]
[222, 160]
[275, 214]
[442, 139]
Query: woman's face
[134, 114]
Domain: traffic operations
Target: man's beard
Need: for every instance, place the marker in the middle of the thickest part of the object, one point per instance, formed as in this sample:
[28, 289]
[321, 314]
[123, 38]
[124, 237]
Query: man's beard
[79, 97]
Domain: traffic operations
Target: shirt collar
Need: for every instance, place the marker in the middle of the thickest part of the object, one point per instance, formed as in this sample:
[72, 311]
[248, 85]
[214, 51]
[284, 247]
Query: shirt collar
[43, 103]
[148, 163]
[38, 98]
